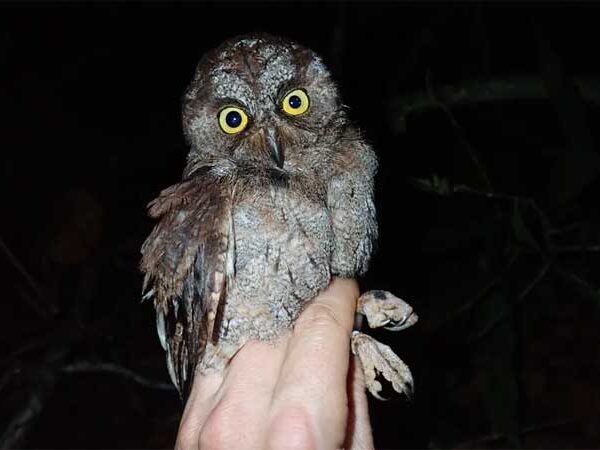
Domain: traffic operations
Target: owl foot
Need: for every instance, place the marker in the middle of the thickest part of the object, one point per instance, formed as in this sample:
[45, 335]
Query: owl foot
[375, 358]
[384, 309]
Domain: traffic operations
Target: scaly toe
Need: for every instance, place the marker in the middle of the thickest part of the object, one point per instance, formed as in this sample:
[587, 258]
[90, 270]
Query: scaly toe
[377, 358]
[384, 309]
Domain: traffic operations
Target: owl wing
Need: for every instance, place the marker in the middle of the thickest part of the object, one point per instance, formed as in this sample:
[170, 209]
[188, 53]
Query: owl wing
[188, 261]
[352, 209]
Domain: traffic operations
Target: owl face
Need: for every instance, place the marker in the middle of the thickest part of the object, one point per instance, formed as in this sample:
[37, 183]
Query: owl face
[263, 102]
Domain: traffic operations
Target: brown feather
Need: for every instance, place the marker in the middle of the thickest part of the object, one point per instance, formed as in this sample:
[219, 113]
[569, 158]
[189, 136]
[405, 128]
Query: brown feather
[185, 261]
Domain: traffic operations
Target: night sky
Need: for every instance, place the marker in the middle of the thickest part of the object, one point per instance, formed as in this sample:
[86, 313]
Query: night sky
[498, 253]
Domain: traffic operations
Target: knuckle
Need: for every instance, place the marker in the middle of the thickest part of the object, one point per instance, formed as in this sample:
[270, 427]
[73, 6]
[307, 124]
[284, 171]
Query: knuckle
[291, 429]
[317, 315]
[216, 432]
[252, 350]
[186, 438]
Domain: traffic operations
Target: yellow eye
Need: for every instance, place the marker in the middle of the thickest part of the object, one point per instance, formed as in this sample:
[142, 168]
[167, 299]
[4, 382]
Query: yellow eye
[296, 102]
[232, 120]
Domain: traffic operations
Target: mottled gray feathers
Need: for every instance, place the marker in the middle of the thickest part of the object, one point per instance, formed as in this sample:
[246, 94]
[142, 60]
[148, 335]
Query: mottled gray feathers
[245, 240]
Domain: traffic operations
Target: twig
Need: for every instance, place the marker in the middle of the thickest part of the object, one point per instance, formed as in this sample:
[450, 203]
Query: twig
[546, 225]
[87, 366]
[534, 281]
[476, 442]
[571, 113]
[576, 248]
[459, 133]
[567, 228]
[500, 317]
[490, 195]
[39, 307]
[490, 91]
[582, 284]
[17, 428]
[480, 295]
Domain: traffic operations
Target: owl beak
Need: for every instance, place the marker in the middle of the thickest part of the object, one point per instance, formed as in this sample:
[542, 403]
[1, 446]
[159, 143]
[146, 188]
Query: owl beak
[274, 147]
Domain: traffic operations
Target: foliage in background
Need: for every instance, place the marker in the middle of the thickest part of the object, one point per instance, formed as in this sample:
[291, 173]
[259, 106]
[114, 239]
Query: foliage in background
[488, 113]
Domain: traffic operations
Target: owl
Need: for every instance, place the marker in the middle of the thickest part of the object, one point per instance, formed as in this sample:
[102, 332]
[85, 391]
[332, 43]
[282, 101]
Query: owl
[276, 198]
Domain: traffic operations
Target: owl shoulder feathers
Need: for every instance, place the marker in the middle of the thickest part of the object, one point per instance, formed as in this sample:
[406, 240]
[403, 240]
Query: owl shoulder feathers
[188, 262]
[350, 202]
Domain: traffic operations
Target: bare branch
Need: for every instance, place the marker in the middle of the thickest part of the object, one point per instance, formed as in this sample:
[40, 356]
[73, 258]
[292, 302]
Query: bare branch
[534, 428]
[87, 366]
[17, 427]
[469, 304]
[584, 286]
[576, 248]
[530, 286]
[39, 307]
[473, 155]
[490, 91]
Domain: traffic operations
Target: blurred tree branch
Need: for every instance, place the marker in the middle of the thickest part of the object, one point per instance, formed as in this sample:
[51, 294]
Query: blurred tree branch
[107, 367]
[472, 92]
[580, 163]
[473, 154]
[38, 306]
[502, 316]
[481, 441]
[524, 230]
[42, 383]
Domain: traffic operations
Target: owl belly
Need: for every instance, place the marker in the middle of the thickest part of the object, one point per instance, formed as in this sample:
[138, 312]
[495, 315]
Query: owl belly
[283, 246]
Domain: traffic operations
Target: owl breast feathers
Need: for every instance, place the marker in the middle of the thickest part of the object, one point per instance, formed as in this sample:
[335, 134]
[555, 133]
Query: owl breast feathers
[276, 198]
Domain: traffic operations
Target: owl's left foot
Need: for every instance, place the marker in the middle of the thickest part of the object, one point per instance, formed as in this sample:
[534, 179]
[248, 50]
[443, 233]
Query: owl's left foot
[384, 309]
[375, 358]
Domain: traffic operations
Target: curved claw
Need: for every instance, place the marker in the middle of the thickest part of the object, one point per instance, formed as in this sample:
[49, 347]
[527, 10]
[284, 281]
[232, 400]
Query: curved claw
[384, 309]
[379, 359]
[407, 321]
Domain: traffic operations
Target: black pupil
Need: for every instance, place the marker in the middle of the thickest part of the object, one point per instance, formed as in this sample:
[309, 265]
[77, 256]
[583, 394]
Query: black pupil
[233, 119]
[295, 101]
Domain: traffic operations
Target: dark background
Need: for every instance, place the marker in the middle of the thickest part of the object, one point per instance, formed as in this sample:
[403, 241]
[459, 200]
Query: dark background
[485, 121]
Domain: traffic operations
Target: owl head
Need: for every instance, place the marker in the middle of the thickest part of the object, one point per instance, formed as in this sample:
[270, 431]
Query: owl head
[263, 104]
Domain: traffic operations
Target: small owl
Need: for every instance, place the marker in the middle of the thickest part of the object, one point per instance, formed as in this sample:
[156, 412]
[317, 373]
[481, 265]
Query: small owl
[275, 199]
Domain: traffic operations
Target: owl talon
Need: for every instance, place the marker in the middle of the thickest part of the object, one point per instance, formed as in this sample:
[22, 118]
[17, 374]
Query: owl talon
[377, 358]
[384, 309]
[402, 325]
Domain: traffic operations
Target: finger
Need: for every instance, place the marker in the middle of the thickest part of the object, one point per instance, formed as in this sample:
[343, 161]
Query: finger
[359, 435]
[313, 375]
[247, 392]
[237, 410]
[255, 367]
[320, 342]
[340, 298]
[197, 408]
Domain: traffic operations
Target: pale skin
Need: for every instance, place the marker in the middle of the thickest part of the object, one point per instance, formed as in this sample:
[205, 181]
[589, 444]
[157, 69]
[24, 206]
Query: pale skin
[303, 392]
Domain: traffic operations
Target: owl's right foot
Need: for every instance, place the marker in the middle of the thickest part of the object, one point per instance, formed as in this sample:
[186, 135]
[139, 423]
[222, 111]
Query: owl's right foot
[384, 309]
[377, 358]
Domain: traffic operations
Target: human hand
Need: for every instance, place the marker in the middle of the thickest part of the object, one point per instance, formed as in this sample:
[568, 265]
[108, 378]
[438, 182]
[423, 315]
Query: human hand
[303, 392]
